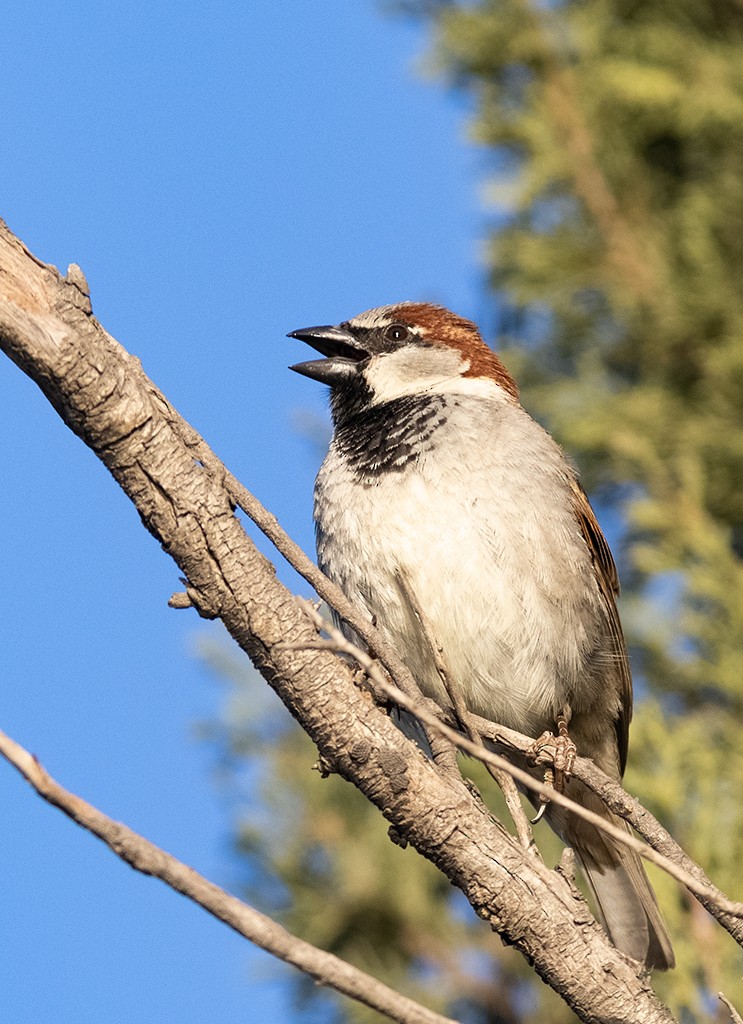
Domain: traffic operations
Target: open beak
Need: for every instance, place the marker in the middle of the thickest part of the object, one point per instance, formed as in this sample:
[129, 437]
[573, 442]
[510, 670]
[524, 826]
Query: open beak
[340, 349]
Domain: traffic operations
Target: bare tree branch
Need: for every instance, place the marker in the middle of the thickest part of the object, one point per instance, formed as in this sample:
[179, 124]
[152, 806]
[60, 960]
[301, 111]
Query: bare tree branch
[101, 392]
[144, 856]
[735, 1017]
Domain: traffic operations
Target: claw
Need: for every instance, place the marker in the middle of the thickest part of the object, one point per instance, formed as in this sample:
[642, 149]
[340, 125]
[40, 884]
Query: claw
[538, 816]
[557, 754]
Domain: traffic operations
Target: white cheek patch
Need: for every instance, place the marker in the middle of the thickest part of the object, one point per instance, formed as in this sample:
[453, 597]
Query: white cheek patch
[412, 370]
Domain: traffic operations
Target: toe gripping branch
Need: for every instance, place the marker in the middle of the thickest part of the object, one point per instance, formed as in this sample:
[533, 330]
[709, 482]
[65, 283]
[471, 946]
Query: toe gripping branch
[557, 754]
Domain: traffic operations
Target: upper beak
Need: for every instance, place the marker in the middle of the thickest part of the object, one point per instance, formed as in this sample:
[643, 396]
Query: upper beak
[340, 348]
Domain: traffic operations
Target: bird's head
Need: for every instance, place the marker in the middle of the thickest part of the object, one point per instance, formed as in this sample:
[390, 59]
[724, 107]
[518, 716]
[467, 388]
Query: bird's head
[412, 348]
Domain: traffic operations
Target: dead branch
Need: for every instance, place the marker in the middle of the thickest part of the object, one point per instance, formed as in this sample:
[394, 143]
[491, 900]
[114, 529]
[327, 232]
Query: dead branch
[144, 856]
[735, 1017]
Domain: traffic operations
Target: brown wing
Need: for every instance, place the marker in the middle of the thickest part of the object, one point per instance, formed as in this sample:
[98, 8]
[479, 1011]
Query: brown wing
[608, 580]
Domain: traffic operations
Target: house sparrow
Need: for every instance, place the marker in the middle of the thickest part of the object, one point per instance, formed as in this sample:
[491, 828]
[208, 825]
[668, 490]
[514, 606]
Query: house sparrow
[440, 493]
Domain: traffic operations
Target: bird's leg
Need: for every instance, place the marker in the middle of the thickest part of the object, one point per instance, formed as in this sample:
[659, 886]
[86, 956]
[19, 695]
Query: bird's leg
[565, 753]
[557, 754]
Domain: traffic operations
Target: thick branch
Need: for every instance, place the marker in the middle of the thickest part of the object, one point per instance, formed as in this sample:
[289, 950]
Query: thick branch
[100, 391]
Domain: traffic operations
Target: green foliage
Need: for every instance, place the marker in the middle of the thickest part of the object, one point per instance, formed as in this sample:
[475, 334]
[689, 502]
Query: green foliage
[616, 260]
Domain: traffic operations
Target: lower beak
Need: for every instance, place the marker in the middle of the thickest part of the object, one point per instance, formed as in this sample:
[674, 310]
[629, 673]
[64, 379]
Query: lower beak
[340, 348]
[331, 371]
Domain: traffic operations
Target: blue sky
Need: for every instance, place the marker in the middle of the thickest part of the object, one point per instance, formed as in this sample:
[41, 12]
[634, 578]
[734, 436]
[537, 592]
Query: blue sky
[223, 174]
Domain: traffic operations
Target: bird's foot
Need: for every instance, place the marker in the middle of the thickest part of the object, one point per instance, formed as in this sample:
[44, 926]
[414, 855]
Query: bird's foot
[557, 754]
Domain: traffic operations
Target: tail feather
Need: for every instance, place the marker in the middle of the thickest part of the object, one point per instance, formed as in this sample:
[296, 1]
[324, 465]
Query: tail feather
[630, 911]
[617, 879]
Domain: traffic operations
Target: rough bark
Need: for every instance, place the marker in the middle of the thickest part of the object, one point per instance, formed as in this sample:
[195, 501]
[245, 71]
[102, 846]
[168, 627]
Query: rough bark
[102, 394]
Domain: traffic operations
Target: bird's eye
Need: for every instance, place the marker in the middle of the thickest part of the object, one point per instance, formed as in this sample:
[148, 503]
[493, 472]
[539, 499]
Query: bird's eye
[397, 332]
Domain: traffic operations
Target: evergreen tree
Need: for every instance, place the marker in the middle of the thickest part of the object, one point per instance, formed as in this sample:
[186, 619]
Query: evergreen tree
[616, 265]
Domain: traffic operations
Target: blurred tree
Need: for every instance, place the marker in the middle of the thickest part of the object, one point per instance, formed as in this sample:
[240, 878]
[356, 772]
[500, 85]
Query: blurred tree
[615, 132]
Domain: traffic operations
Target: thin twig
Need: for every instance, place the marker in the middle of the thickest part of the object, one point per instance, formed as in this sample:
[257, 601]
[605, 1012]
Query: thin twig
[515, 807]
[705, 892]
[144, 856]
[466, 719]
[734, 1015]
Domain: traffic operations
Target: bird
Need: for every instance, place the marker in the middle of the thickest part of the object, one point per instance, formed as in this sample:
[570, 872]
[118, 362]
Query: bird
[454, 522]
